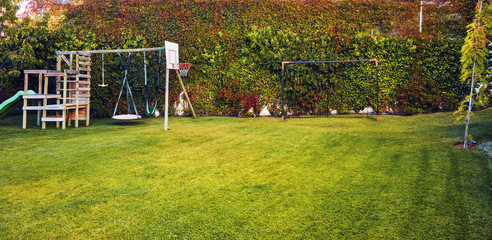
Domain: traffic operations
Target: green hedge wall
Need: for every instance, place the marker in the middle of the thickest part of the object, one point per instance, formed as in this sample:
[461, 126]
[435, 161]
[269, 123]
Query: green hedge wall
[415, 76]
[237, 47]
[239, 73]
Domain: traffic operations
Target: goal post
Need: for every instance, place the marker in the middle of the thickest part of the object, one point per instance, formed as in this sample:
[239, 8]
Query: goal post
[284, 64]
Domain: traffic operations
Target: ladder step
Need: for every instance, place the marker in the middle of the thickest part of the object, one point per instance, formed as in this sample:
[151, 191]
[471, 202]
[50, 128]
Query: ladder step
[84, 76]
[85, 69]
[67, 89]
[73, 90]
[52, 119]
[74, 81]
[84, 63]
[41, 96]
[84, 58]
[84, 88]
[48, 107]
[54, 73]
[31, 108]
[73, 106]
[54, 107]
[68, 81]
[82, 100]
[80, 117]
[35, 71]
[72, 72]
[87, 54]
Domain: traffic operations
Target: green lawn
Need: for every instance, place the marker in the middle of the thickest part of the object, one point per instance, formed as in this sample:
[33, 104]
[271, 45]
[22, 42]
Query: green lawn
[341, 177]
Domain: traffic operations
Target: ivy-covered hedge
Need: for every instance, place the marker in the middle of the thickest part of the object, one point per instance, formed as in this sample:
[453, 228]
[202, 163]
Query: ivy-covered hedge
[415, 76]
[237, 47]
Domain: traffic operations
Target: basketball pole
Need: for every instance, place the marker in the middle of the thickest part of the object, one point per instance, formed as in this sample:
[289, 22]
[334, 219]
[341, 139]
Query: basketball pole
[166, 104]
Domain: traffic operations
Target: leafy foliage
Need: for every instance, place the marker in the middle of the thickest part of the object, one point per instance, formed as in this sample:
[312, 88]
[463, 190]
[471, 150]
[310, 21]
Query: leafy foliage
[474, 59]
[26, 46]
[236, 48]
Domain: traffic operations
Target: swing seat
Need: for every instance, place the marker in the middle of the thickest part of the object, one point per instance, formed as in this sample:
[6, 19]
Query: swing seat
[126, 117]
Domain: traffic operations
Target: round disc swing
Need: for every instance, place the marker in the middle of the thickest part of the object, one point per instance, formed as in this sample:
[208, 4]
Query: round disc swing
[129, 95]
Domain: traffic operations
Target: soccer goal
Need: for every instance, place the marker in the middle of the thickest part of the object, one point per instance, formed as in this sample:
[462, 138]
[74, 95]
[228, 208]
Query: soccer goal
[327, 86]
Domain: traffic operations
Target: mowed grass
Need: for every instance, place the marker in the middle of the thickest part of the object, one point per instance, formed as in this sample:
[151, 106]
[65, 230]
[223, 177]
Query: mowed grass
[341, 177]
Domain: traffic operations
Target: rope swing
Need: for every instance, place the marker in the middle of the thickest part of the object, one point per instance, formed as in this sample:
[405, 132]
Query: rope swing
[129, 115]
[102, 70]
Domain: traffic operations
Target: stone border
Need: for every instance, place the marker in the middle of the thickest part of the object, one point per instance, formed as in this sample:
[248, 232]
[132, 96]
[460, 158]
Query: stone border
[486, 147]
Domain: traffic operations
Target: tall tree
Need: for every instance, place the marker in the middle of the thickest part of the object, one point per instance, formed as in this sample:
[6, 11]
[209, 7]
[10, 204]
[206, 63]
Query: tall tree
[474, 58]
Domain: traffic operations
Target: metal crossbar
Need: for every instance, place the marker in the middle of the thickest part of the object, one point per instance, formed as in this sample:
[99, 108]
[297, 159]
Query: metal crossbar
[114, 50]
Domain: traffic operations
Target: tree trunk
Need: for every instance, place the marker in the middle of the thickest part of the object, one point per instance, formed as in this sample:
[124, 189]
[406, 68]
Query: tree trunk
[470, 101]
[470, 104]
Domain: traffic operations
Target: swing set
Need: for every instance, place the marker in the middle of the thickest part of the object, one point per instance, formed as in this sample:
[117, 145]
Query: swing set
[172, 62]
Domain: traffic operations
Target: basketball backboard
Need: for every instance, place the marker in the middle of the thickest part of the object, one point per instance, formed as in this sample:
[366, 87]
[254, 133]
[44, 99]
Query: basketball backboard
[172, 55]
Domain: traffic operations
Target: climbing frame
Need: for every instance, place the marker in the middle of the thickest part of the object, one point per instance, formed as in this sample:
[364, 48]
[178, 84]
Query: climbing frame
[71, 100]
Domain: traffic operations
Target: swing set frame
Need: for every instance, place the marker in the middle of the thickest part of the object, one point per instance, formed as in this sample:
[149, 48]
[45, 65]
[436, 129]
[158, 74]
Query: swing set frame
[173, 64]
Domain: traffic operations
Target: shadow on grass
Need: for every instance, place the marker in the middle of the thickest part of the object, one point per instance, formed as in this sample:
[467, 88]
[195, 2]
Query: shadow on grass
[125, 123]
[372, 117]
[480, 131]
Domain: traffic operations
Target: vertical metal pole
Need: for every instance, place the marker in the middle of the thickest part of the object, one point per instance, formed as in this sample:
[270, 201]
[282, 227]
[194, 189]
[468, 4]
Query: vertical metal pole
[328, 93]
[166, 104]
[377, 93]
[421, 16]
[283, 117]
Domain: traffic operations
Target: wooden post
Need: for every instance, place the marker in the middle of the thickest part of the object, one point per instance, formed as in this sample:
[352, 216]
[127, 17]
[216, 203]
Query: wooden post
[186, 94]
[45, 100]
[64, 101]
[88, 102]
[40, 87]
[24, 111]
[87, 110]
[58, 84]
[71, 61]
[77, 91]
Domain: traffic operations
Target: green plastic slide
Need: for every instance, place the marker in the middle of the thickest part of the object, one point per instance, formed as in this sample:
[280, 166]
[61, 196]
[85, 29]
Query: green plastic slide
[9, 104]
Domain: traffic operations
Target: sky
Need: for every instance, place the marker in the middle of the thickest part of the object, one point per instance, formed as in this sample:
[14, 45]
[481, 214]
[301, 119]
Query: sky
[22, 8]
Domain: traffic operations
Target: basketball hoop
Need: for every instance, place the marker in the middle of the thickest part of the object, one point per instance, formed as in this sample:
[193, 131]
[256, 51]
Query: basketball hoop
[183, 68]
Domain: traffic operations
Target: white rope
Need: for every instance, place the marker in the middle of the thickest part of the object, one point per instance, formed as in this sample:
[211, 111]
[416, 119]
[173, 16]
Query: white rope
[145, 68]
